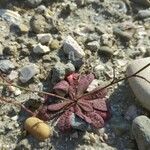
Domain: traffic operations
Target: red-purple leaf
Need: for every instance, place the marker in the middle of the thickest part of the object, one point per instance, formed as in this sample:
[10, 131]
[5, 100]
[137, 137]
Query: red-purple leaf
[61, 88]
[105, 115]
[80, 114]
[58, 106]
[95, 94]
[99, 104]
[85, 105]
[83, 83]
[97, 120]
[64, 121]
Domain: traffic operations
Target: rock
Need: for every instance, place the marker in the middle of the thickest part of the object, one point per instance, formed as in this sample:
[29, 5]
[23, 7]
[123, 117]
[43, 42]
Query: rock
[41, 49]
[1, 50]
[39, 24]
[141, 132]
[41, 9]
[54, 44]
[93, 46]
[131, 112]
[13, 75]
[106, 50]
[33, 3]
[142, 2]
[27, 72]
[23, 28]
[58, 72]
[69, 67]
[44, 38]
[6, 66]
[94, 84]
[72, 48]
[11, 16]
[23, 144]
[140, 87]
[142, 14]
[78, 123]
[123, 34]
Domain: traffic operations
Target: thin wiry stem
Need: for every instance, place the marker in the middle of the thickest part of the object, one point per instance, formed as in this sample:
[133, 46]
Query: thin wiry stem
[119, 80]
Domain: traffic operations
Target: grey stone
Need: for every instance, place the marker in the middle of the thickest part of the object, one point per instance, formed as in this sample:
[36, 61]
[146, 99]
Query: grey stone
[6, 66]
[93, 46]
[39, 24]
[142, 14]
[106, 50]
[141, 132]
[142, 2]
[140, 87]
[78, 123]
[27, 72]
[69, 68]
[41, 9]
[10, 16]
[33, 3]
[41, 49]
[58, 72]
[72, 49]
[44, 38]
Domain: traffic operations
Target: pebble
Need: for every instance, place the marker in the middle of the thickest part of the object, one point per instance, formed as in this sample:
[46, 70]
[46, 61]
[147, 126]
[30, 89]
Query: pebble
[94, 84]
[141, 132]
[13, 75]
[58, 72]
[142, 14]
[93, 46]
[33, 3]
[41, 49]
[72, 48]
[6, 66]
[69, 68]
[123, 34]
[23, 28]
[39, 24]
[142, 2]
[41, 9]
[44, 38]
[106, 50]
[140, 87]
[1, 49]
[27, 72]
[11, 16]
[54, 44]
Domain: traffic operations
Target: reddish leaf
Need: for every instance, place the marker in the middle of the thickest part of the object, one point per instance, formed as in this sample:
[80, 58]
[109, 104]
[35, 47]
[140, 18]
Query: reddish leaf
[58, 106]
[99, 104]
[83, 83]
[80, 114]
[105, 115]
[64, 121]
[95, 94]
[85, 105]
[97, 120]
[61, 88]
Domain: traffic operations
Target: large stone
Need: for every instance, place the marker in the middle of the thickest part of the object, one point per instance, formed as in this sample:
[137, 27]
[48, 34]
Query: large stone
[141, 132]
[140, 87]
[73, 49]
[10, 16]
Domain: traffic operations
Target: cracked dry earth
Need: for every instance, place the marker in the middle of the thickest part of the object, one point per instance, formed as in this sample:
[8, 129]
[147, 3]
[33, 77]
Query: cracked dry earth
[111, 35]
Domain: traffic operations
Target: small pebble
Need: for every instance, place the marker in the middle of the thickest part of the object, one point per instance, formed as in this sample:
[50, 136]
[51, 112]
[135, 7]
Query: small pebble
[44, 38]
[6, 66]
[41, 49]
[27, 72]
[54, 44]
